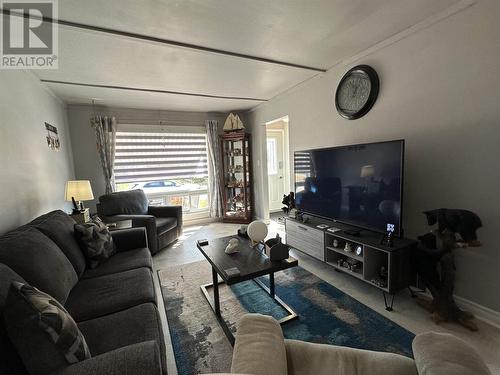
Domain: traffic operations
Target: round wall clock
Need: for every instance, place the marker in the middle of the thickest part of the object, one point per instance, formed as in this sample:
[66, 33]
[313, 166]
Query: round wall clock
[357, 92]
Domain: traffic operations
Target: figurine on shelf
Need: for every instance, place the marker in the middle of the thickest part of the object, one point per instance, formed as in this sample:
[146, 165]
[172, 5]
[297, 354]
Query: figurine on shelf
[235, 169]
[238, 198]
[348, 247]
[349, 263]
[232, 181]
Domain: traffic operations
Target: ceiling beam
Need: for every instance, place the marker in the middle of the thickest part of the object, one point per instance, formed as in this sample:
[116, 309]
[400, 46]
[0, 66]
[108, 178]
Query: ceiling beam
[152, 90]
[153, 39]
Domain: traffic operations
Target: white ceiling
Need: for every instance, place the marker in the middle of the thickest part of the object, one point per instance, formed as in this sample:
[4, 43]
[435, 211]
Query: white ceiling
[314, 33]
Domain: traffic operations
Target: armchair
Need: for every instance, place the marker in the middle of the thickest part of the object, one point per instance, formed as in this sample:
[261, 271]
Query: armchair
[163, 223]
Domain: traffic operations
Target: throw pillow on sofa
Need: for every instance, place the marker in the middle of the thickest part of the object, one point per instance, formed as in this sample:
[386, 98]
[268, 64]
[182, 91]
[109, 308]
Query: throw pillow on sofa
[44, 334]
[96, 242]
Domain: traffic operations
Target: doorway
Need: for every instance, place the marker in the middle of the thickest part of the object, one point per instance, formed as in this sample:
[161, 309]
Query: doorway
[278, 169]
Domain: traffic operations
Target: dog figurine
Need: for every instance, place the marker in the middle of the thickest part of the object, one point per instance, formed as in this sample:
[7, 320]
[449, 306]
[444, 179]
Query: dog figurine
[434, 262]
[463, 222]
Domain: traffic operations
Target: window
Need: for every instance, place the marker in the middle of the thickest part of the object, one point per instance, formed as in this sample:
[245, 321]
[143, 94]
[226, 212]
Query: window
[171, 166]
[302, 161]
[272, 157]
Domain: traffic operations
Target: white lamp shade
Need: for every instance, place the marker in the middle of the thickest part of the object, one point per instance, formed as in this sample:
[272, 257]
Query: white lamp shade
[257, 231]
[79, 189]
[367, 171]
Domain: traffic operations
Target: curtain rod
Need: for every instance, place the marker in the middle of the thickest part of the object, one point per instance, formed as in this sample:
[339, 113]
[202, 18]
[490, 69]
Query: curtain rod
[158, 122]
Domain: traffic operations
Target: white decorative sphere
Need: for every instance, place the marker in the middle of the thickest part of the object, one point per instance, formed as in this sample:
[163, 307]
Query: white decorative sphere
[257, 231]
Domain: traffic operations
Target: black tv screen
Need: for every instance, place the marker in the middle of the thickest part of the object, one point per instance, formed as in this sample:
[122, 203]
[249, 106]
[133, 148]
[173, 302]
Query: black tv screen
[359, 185]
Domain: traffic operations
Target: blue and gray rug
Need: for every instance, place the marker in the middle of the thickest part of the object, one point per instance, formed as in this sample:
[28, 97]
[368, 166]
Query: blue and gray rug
[327, 315]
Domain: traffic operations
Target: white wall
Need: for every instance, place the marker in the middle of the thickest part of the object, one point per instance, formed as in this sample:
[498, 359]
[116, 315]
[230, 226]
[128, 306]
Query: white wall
[32, 175]
[440, 91]
[86, 159]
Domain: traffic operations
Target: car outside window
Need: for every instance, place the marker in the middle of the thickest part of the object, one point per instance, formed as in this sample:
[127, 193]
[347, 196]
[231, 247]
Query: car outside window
[154, 184]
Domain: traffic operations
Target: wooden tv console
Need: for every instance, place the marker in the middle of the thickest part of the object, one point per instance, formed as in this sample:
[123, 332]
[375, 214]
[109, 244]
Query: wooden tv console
[328, 246]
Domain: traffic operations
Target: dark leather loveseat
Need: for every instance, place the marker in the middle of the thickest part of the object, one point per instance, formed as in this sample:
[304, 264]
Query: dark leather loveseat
[114, 304]
[163, 223]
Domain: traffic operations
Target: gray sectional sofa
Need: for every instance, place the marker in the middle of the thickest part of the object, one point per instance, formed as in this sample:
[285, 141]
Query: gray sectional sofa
[261, 349]
[114, 304]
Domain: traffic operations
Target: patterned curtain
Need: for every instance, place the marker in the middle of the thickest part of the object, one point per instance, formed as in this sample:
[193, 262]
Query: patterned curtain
[214, 164]
[105, 133]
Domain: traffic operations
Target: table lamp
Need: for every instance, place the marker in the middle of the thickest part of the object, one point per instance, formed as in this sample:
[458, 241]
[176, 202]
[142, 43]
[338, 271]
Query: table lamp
[78, 191]
[367, 171]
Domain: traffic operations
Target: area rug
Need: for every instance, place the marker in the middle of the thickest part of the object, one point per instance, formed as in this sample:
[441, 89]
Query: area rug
[327, 315]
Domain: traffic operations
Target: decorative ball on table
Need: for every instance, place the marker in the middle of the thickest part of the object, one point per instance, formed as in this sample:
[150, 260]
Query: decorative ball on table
[257, 231]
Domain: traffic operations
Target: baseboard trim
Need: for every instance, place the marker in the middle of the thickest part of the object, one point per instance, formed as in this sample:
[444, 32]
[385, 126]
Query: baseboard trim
[201, 221]
[481, 312]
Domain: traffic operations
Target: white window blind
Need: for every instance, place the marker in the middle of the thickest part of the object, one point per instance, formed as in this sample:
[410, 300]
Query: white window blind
[302, 161]
[160, 155]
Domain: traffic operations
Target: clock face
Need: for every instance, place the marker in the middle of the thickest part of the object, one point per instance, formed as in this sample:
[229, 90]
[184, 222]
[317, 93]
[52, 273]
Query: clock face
[354, 92]
[357, 92]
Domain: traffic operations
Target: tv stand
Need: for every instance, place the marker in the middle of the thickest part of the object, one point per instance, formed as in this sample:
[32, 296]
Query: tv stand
[386, 268]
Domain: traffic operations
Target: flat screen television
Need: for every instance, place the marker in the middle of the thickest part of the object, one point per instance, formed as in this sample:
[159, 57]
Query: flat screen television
[360, 185]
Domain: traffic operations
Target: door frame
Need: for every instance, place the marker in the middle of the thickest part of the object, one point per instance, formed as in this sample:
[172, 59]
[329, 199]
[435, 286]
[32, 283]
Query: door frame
[286, 154]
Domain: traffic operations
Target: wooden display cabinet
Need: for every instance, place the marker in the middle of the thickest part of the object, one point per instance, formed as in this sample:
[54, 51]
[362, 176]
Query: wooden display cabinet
[236, 177]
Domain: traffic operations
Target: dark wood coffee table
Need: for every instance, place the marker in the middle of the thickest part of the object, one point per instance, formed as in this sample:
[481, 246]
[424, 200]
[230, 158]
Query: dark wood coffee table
[251, 263]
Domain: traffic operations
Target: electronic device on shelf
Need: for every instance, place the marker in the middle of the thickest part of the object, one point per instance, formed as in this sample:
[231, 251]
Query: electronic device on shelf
[352, 232]
[359, 250]
[360, 185]
[387, 239]
[334, 229]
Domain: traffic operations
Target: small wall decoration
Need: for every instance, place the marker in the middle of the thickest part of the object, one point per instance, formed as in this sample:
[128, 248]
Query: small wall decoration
[52, 137]
[357, 92]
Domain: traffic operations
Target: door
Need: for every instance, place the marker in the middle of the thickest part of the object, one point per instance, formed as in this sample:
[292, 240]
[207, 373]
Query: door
[275, 168]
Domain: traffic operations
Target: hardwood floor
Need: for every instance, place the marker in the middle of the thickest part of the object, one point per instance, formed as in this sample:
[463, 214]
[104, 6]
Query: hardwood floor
[406, 312]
